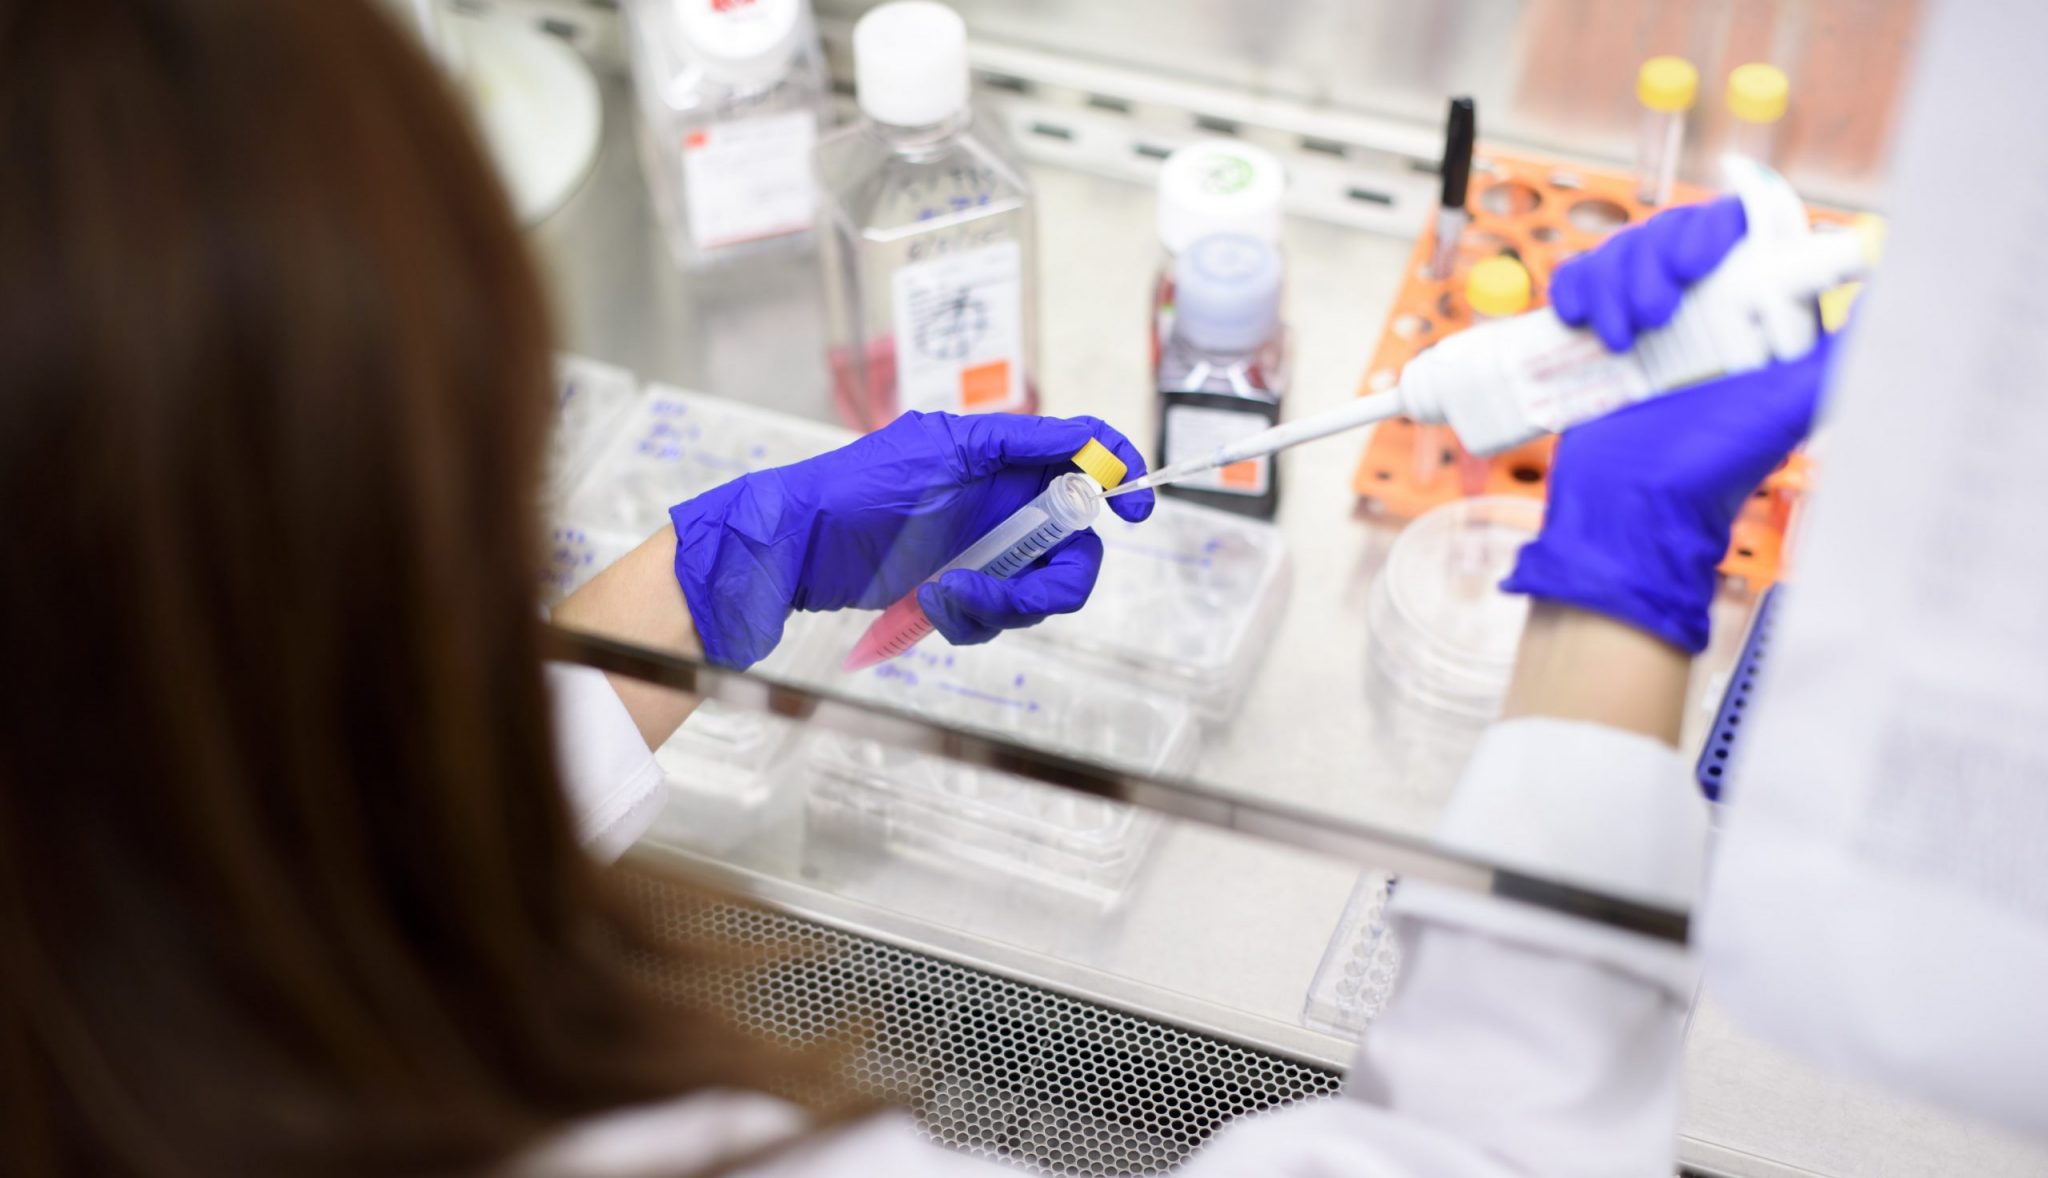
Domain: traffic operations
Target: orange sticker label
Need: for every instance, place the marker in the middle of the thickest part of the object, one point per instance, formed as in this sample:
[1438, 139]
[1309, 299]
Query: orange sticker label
[695, 140]
[985, 385]
[1240, 476]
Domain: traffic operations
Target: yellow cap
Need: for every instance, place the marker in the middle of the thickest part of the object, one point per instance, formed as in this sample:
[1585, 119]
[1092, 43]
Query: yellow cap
[1835, 304]
[1498, 287]
[1757, 92]
[1099, 464]
[1667, 84]
[1870, 231]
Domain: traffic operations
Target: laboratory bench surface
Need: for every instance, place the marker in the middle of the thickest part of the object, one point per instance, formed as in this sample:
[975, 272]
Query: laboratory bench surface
[1221, 933]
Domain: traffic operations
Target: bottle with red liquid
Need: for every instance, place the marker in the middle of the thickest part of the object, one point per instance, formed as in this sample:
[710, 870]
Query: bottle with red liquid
[927, 235]
[1211, 186]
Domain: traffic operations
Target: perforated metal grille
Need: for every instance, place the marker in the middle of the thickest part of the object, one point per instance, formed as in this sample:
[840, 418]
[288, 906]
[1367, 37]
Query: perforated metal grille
[992, 1066]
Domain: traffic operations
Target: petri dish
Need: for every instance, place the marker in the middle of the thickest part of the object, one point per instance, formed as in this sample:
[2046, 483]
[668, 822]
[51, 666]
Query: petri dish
[1442, 632]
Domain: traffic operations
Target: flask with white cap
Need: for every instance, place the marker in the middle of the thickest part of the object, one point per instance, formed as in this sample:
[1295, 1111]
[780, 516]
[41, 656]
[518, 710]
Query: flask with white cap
[731, 93]
[927, 233]
[1224, 369]
[1212, 186]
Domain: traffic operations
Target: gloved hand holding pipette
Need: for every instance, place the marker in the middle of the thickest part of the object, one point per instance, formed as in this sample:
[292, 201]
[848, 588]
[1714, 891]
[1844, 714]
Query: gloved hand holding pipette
[865, 524]
[1642, 500]
[1500, 384]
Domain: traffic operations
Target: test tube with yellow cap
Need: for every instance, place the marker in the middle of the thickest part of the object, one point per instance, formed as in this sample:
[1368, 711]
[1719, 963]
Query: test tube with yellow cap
[1498, 287]
[1666, 86]
[1068, 504]
[1757, 96]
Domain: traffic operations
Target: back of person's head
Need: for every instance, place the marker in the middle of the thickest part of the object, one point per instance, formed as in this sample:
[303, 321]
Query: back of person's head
[286, 881]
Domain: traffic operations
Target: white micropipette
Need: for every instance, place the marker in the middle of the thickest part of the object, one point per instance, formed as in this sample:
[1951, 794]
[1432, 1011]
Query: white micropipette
[1500, 384]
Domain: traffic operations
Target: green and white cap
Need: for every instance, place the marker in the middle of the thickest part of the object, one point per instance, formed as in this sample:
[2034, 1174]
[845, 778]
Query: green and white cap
[1217, 186]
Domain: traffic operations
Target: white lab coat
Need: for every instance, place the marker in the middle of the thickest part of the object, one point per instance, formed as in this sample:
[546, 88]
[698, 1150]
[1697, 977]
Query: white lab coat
[1517, 1044]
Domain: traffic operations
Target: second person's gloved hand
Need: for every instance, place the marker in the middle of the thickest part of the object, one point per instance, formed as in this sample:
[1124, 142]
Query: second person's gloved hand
[1642, 500]
[862, 525]
[1633, 281]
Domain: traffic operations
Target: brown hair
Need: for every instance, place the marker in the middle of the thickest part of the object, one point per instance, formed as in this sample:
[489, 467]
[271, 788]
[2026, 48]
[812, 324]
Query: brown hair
[287, 883]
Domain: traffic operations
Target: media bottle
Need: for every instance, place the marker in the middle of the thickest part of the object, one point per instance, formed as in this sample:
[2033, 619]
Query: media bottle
[926, 218]
[730, 95]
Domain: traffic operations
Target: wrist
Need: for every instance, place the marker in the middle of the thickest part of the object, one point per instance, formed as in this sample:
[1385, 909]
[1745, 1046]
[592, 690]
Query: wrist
[1577, 664]
[636, 600]
[730, 548]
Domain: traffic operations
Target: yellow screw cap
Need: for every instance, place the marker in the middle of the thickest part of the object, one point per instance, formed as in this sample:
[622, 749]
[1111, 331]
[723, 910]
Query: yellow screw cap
[1498, 287]
[1099, 464]
[1835, 304]
[1870, 231]
[1667, 84]
[1757, 93]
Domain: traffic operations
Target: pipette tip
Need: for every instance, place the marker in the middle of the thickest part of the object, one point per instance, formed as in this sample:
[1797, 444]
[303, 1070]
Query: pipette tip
[1165, 475]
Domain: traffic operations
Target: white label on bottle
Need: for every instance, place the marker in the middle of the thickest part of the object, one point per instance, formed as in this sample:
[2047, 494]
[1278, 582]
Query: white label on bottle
[1193, 431]
[749, 178]
[960, 331]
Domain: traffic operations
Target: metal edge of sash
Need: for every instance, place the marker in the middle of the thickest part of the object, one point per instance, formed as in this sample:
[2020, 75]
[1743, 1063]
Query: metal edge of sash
[1326, 834]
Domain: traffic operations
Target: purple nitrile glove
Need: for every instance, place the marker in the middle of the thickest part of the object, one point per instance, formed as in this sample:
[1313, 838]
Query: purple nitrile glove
[862, 525]
[1642, 500]
[1633, 280]
[969, 607]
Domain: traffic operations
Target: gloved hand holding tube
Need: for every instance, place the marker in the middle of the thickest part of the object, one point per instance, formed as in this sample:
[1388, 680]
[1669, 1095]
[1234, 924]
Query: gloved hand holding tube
[1642, 500]
[862, 525]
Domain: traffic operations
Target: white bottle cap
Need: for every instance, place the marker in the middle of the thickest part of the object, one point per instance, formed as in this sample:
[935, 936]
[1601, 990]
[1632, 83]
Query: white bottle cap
[910, 63]
[742, 42]
[1219, 186]
[1226, 293]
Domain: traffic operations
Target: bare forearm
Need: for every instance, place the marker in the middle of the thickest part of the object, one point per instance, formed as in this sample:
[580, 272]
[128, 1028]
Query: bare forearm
[1578, 665]
[637, 600]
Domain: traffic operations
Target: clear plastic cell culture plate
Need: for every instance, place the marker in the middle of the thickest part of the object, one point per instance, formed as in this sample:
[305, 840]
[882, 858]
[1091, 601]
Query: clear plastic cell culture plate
[574, 555]
[1028, 695]
[1186, 604]
[724, 779]
[589, 396]
[675, 444]
[1357, 973]
[930, 808]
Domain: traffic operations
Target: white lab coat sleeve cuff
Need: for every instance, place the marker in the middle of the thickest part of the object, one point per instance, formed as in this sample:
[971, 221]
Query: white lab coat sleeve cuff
[1582, 804]
[615, 788]
[1585, 803]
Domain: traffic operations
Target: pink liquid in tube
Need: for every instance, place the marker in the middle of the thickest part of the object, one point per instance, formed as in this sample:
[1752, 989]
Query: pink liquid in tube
[1067, 505]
